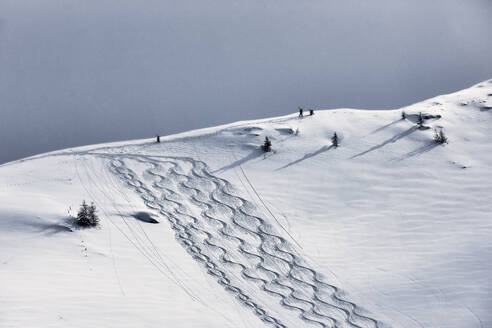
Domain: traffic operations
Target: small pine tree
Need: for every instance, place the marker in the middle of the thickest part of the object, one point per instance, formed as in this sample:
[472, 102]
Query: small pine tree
[87, 217]
[83, 215]
[92, 214]
[403, 115]
[334, 140]
[267, 145]
[420, 120]
[440, 137]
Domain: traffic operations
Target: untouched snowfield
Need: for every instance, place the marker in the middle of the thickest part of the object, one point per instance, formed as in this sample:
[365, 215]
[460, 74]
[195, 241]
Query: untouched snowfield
[387, 230]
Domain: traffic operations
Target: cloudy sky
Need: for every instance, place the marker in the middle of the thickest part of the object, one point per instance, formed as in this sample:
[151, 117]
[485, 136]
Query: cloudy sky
[76, 72]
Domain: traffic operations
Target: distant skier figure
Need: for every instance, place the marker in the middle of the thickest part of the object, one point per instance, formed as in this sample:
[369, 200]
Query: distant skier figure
[300, 112]
[158, 138]
[334, 140]
[311, 112]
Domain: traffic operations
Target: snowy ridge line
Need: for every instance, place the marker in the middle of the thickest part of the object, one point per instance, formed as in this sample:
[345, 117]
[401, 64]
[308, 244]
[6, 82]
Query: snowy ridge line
[351, 314]
[183, 234]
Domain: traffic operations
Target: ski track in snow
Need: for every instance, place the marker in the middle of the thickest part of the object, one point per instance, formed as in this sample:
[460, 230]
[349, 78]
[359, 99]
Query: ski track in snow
[227, 236]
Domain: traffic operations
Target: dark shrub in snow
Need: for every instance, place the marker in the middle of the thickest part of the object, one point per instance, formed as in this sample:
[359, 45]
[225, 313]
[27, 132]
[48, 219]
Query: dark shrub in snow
[440, 137]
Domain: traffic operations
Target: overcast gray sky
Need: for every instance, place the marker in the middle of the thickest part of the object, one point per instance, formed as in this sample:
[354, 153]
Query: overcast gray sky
[76, 72]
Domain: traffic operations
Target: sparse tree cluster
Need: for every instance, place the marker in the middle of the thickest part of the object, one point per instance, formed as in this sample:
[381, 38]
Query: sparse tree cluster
[439, 136]
[87, 216]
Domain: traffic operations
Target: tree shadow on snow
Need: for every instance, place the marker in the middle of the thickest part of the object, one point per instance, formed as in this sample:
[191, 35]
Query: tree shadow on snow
[425, 148]
[308, 155]
[391, 140]
[140, 216]
[386, 126]
[254, 154]
[415, 117]
[49, 228]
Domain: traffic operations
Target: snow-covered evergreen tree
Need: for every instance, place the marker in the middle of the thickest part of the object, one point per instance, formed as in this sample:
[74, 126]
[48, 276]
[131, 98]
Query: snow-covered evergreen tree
[267, 145]
[420, 120]
[92, 215]
[334, 140]
[87, 217]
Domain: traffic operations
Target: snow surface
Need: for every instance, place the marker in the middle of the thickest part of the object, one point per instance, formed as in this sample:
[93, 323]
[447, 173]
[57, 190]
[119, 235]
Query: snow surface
[387, 230]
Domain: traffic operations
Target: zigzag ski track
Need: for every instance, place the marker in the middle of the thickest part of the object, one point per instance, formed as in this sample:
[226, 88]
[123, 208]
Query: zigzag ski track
[237, 247]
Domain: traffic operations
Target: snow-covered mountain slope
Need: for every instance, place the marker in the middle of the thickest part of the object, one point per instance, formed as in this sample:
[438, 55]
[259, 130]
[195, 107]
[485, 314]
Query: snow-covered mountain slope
[387, 230]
